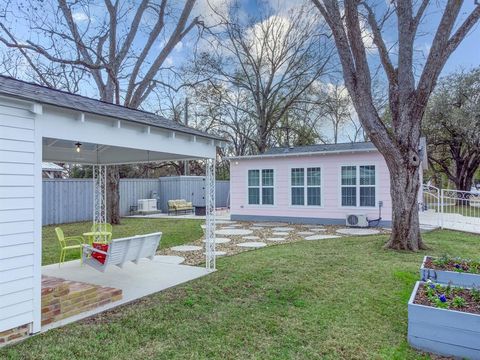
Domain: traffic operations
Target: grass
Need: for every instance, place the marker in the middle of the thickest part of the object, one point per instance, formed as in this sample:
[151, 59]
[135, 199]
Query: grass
[175, 232]
[339, 298]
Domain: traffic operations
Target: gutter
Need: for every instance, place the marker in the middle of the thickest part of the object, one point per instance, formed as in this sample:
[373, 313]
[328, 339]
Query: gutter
[309, 153]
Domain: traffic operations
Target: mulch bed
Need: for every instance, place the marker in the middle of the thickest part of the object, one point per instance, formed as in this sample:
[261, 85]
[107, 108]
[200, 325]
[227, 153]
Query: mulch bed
[451, 265]
[231, 248]
[471, 305]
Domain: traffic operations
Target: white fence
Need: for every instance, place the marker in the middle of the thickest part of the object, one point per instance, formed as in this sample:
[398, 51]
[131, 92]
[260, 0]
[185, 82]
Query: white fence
[450, 209]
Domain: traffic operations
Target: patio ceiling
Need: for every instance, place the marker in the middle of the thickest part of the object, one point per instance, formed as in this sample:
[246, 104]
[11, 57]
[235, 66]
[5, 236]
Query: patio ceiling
[57, 150]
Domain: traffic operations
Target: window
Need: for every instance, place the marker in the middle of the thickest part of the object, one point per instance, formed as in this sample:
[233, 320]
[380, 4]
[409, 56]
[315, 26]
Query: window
[358, 185]
[261, 187]
[306, 187]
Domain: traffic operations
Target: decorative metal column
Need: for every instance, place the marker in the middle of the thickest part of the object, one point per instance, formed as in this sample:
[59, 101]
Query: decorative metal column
[99, 196]
[210, 214]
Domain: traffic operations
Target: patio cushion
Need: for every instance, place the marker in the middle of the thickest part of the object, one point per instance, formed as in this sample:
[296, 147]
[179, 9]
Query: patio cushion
[99, 256]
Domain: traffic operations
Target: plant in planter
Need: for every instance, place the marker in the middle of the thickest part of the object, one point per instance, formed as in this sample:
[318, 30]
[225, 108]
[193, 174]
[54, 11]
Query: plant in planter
[451, 270]
[445, 319]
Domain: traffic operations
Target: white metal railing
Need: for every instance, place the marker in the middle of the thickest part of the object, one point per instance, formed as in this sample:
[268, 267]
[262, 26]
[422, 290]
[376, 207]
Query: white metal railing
[451, 209]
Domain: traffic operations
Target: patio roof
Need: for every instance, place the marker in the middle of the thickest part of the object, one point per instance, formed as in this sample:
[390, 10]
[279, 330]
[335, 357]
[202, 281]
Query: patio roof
[48, 96]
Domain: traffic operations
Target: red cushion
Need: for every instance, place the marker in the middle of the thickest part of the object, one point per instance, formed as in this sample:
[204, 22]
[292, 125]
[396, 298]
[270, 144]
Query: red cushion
[99, 256]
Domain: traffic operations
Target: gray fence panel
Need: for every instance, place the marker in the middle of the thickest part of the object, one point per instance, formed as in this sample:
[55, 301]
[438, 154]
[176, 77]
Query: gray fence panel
[67, 201]
[71, 200]
[133, 189]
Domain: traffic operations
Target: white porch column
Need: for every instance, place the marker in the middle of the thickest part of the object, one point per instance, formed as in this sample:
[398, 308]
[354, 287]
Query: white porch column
[99, 196]
[210, 214]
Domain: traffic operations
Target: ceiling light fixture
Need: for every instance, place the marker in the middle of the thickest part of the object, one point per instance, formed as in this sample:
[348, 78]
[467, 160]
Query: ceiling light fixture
[78, 145]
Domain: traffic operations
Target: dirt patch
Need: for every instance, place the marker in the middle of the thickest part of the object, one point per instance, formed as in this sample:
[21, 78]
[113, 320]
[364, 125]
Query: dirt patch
[453, 264]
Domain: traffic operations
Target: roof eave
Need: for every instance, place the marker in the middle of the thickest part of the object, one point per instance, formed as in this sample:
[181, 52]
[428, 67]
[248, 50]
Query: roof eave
[309, 153]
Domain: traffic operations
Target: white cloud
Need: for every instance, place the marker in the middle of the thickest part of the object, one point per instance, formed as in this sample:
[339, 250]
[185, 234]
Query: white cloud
[79, 16]
[209, 10]
[179, 46]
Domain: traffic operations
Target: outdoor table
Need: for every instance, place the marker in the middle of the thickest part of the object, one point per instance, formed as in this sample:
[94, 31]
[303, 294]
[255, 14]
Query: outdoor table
[92, 234]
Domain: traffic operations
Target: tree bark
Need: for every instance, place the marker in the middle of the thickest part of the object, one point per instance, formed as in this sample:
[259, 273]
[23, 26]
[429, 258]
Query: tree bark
[404, 188]
[113, 195]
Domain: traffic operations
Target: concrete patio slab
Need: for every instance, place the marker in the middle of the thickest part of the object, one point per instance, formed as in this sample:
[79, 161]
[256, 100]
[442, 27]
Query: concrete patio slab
[135, 281]
[357, 231]
[185, 248]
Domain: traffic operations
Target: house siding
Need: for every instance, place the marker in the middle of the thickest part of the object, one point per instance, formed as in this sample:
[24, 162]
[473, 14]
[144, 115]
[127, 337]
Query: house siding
[17, 219]
[330, 210]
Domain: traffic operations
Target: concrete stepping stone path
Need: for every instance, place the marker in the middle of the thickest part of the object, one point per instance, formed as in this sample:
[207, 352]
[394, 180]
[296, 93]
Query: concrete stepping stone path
[321, 237]
[283, 229]
[305, 233]
[250, 237]
[186, 248]
[233, 232]
[218, 253]
[317, 229]
[357, 231]
[270, 224]
[257, 228]
[280, 233]
[276, 239]
[220, 240]
[252, 244]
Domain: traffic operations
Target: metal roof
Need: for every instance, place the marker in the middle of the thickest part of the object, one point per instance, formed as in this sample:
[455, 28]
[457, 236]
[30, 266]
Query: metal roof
[313, 149]
[50, 166]
[45, 95]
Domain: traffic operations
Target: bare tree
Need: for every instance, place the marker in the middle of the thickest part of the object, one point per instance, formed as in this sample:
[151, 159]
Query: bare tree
[271, 59]
[408, 95]
[452, 127]
[337, 109]
[121, 45]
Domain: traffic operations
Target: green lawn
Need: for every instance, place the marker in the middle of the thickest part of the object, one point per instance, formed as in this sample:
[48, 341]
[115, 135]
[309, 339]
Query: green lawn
[338, 298]
[175, 232]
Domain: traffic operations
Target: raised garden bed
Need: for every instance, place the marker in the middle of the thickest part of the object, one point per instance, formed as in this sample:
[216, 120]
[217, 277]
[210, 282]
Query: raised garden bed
[445, 320]
[448, 270]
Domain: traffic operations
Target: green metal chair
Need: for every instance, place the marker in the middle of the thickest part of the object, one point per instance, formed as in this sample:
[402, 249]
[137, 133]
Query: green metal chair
[68, 243]
[104, 228]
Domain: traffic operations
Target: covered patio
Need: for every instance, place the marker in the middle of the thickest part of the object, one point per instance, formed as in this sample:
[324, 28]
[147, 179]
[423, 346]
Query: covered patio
[56, 126]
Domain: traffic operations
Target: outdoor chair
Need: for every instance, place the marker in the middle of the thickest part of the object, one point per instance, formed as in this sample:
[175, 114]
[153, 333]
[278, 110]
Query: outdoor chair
[68, 243]
[104, 228]
[121, 251]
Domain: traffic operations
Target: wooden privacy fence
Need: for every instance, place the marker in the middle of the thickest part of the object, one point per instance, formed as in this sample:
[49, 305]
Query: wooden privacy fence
[71, 200]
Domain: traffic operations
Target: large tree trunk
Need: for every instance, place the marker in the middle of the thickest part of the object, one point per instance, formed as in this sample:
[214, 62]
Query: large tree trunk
[404, 188]
[113, 195]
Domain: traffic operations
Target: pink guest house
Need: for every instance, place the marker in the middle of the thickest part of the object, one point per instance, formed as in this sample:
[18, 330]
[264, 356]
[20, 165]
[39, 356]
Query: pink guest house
[317, 184]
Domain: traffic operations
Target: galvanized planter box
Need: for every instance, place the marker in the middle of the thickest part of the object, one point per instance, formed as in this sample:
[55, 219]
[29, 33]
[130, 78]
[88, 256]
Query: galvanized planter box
[449, 277]
[442, 331]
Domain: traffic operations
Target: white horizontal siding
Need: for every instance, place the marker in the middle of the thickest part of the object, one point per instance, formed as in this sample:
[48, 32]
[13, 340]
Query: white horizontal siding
[17, 215]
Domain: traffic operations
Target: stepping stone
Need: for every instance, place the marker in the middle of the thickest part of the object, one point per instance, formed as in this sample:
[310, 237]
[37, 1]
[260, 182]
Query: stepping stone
[257, 228]
[283, 229]
[321, 237]
[218, 253]
[276, 239]
[169, 259]
[230, 226]
[252, 244]
[225, 222]
[357, 231]
[250, 237]
[269, 224]
[185, 248]
[305, 233]
[284, 233]
[317, 229]
[233, 232]
[220, 240]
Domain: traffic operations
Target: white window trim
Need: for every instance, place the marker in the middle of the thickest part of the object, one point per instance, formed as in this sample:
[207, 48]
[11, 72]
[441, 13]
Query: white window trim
[260, 187]
[357, 185]
[305, 187]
